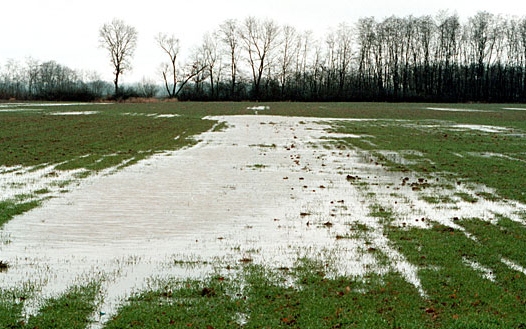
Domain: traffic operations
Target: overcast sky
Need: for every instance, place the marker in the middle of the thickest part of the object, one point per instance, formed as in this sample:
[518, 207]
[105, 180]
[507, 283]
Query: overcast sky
[67, 31]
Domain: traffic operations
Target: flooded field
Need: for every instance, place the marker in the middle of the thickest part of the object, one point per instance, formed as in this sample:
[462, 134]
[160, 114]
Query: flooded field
[264, 190]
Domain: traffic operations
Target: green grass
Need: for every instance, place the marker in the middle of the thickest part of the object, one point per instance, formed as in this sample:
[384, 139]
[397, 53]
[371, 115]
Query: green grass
[453, 154]
[437, 199]
[70, 310]
[459, 295]
[95, 141]
[11, 308]
[9, 209]
[257, 166]
[260, 298]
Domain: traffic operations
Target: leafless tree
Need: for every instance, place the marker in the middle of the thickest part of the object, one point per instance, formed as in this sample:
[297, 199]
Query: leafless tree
[148, 88]
[343, 55]
[259, 39]
[229, 33]
[170, 45]
[365, 41]
[120, 40]
[212, 60]
[288, 53]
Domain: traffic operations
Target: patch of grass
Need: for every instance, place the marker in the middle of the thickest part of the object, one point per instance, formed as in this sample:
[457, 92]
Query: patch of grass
[273, 146]
[42, 191]
[71, 310]
[10, 209]
[191, 303]
[459, 295]
[448, 150]
[33, 139]
[466, 197]
[221, 126]
[488, 196]
[257, 166]
[260, 298]
[505, 238]
[356, 230]
[383, 213]
[11, 308]
[437, 199]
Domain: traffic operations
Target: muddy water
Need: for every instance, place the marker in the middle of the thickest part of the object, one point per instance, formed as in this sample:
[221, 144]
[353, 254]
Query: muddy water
[257, 192]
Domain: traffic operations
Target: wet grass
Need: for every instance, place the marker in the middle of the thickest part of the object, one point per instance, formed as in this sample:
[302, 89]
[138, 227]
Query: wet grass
[70, 310]
[303, 297]
[9, 209]
[115, 136]
[468, 279]
[460, 295]
[10, 309]
[505, 238]
[135, 130]
[456, 154]
[94, 141]
[437, 199]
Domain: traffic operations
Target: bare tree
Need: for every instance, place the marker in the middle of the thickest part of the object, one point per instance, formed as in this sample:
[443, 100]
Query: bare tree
[260, 39]
[211, 58]
[120, 40]
[288, 53]
[365, 41]
[13, 80]
[148, 88]
[170, 45]
[228, 32]
[482, 36]
[448, 34]
[343, 55]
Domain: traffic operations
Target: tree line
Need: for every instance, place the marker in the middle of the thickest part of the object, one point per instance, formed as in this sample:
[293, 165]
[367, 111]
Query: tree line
[429, 58]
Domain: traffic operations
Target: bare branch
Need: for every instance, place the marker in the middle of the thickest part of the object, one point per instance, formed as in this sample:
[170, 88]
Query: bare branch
[120, 40]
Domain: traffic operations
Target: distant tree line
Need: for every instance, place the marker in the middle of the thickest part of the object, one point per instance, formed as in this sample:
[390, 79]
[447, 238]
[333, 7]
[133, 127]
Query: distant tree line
[52, 81]
[49, 80]
[429, 58]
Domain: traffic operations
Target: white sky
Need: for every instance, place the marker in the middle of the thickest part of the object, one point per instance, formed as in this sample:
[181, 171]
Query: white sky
[67, 31]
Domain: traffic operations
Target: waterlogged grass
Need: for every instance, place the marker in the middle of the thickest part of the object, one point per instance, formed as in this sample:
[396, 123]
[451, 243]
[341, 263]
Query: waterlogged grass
[9, 209]
[113, 136]
[488, 294]
[458, 154]
[306, 297]
[303, 297]
[95, 141]
[472, 278]
[10, 308]
[70, 310]
[505, 238]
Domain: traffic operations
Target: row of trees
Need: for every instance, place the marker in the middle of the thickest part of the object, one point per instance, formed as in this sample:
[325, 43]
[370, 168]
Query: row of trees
[35, 80]
[412, 58]
[399, 58]
[49, 80]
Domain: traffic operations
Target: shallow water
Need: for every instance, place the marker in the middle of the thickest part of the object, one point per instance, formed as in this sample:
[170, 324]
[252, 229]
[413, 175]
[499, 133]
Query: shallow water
[448, 109]
[257, 192]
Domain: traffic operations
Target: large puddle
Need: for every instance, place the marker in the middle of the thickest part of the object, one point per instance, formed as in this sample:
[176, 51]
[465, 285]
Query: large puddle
[263, 191]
